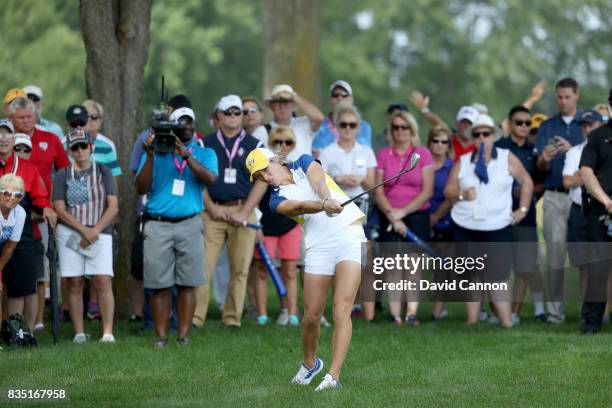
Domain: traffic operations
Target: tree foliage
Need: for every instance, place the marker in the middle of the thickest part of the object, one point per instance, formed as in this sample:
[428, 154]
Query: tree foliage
[458, 52]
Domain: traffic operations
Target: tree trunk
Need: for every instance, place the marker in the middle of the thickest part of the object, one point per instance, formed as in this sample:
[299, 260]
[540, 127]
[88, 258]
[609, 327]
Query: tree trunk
[291, 32]
[116, 37]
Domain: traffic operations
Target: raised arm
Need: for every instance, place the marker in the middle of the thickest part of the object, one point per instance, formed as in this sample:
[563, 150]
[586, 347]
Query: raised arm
[421, 102]
[313, 113]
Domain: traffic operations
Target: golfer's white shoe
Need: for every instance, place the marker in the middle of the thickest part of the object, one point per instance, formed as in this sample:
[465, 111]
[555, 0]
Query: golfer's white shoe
[329, 382]
[305, 375]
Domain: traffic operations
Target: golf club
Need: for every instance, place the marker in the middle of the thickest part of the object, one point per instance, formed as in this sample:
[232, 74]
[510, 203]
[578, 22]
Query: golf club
[412, 237]
[268, 263]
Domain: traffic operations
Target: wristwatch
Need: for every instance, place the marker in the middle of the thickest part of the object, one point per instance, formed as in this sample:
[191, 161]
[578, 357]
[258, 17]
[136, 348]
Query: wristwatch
[524, 210]
[460, 197]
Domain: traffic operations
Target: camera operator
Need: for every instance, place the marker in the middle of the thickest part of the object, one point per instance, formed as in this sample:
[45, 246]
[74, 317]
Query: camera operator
[596, 173]
[138, 299]
[174, 172]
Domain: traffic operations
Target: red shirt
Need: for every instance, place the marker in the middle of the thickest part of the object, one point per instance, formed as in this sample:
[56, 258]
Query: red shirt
[35, 192]
[458, 149]
[47, 152]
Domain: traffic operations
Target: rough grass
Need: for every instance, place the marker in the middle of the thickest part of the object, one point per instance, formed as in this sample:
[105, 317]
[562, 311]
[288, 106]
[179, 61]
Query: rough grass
[437, 364]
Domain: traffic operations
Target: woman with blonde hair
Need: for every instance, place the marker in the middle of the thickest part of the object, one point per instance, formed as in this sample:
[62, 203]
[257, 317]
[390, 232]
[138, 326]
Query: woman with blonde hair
[282, 234]
[404, 202]
[352, 165]
[439, 143]
[12, 220]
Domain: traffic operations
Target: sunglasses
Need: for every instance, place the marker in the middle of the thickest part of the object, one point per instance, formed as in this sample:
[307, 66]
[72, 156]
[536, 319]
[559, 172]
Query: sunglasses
[352, 125]
[522, 122]
[24, 149]
[400, 127]
[477, 135]
[250, 110]
[11, 194]
[280, 142]
[340, 95]
[281, 101]
[232, 112]
[438, 141]
[95, 117]
[81, 146]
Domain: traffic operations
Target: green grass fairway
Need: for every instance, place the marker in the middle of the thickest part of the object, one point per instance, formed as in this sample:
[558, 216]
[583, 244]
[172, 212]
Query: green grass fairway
[437, 364]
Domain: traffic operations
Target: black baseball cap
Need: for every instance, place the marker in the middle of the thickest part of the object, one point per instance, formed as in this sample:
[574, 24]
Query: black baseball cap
[179, 101]
[77, 116]
[400, 106]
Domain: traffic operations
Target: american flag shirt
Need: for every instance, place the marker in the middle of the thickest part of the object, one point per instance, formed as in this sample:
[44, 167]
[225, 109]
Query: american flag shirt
[85, 192]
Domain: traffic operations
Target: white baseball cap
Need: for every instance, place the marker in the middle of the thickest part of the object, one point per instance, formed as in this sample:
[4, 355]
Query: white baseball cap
[34, 90]
[7, 124]
[342, 84]
[180, 112]
[483, 121]
[467, 112]
[22, 139]
[229, 101]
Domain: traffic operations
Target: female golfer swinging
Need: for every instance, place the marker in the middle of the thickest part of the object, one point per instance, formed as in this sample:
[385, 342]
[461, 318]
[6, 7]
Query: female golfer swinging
[306, 194]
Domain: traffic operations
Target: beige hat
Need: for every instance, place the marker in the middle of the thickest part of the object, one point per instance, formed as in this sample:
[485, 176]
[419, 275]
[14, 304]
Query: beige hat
[282, 91]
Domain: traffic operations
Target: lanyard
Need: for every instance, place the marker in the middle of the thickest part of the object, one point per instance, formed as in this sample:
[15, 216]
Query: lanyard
[15, 164]
[93, 164]
[332, 128]
[230, 156]
[181, 166]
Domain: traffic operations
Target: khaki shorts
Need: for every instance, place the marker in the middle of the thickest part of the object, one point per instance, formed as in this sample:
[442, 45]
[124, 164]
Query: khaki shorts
[174, 253]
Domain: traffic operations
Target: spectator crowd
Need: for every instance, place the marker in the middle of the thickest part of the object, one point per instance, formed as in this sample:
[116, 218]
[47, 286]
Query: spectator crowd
[477, 181]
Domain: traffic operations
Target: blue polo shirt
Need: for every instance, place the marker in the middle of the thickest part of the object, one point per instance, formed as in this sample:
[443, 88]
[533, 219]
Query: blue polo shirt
[222, 191]
[325, 136]
[550, 128]
[528, 156]
[161, 200]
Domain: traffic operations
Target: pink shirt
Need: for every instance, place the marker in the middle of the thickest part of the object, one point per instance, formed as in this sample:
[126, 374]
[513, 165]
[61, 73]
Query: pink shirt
[401, 191]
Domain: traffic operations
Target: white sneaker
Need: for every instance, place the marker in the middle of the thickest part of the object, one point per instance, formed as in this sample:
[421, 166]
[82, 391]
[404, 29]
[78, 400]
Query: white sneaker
[80, 338]
[324, 322]
[283, 318]
[107, 338]
[305, 375]
[516, 319]
[483, 316]
[329, 382]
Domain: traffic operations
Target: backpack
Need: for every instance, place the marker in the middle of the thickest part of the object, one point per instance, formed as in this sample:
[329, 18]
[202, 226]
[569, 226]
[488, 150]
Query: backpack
[15, 334]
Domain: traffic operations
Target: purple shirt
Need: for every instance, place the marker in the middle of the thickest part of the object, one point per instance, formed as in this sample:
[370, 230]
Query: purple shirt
[440, 179]
[402, 191]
